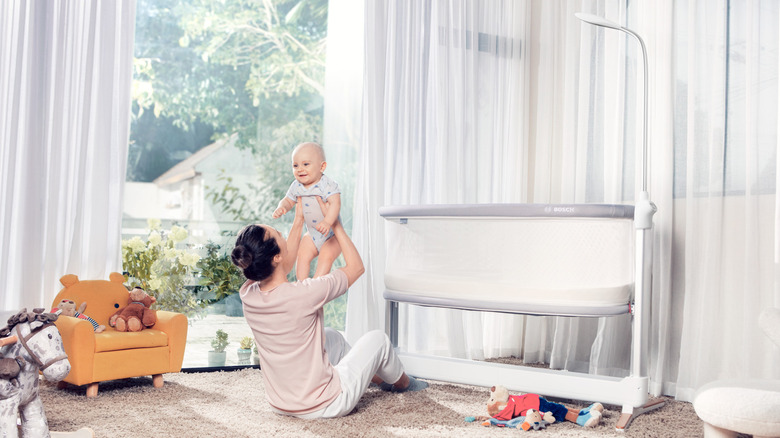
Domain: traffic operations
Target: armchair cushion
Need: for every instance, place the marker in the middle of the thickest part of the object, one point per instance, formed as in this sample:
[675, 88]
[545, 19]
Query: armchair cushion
[115, 340]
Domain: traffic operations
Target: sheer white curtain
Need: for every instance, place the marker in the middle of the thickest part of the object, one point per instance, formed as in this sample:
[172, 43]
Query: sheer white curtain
[726, 158]
[64, 121]
[443, 115]
[444, 123]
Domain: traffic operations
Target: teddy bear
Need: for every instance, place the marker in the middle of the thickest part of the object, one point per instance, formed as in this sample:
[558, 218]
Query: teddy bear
[68, 308]
[513, 411]
[137, 314]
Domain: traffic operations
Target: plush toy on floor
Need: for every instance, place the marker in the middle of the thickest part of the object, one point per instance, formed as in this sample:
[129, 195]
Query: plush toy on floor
[32, 341]
[67, 307]
[137, 314]
[535, 421]
[511, 411]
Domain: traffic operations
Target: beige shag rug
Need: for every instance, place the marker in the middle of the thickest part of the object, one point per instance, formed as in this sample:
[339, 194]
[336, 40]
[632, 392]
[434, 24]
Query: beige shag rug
[232, 404]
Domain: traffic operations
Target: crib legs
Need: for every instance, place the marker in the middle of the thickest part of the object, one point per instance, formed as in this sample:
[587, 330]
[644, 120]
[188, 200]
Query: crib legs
[629, 413]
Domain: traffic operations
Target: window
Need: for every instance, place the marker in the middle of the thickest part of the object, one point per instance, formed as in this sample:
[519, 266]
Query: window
[222, 92]
[726, 71]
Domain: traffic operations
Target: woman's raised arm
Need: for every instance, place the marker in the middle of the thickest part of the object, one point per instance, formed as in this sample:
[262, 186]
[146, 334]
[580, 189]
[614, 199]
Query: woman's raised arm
[294, 238]
[354, 263]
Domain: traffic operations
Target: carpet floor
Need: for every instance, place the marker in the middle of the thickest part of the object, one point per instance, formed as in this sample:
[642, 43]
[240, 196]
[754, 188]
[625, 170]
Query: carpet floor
[233, 404]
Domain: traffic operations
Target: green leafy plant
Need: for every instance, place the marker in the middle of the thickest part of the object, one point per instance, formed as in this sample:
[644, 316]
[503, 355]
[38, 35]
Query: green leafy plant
[218, 274]
[220, 341]
[161, 269]
[246, 343]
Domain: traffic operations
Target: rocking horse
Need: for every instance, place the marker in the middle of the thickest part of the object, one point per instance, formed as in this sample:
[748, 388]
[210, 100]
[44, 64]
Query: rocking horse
[29, 344]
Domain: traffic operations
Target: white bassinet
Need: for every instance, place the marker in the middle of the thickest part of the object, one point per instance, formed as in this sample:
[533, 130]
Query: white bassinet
[534, 259]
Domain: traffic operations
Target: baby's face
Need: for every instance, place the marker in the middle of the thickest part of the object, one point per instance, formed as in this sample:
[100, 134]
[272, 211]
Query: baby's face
[307, 165]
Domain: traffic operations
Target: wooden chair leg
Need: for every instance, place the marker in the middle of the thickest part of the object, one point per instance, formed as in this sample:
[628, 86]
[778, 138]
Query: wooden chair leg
[92, 389]
[157, 380]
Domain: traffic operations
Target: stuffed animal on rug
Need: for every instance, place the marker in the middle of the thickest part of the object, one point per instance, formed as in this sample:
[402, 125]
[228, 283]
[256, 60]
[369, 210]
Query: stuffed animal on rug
[510, 410]
[67, 307]
[138, 313]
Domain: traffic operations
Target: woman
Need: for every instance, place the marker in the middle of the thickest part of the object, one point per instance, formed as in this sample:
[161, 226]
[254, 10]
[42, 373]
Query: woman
[309, 371]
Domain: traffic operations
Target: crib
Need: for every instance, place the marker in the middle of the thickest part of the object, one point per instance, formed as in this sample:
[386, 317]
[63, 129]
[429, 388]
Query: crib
[572, 260]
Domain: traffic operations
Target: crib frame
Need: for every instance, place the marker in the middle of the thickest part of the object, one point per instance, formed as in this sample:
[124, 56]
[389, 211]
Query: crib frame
[630, 392]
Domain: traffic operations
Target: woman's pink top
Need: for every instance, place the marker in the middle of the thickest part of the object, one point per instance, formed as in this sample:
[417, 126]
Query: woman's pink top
[288, 325]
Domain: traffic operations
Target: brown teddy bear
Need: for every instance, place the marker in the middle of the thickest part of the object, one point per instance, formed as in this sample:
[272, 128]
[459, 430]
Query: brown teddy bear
[137, 314]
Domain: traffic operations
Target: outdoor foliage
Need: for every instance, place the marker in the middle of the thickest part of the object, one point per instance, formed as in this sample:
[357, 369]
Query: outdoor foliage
[218, 274]
[161, 269]
[247, 67]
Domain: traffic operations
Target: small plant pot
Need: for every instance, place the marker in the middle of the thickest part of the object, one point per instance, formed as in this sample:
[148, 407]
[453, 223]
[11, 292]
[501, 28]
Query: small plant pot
[217, 358]
[255, 359]
[244, 356]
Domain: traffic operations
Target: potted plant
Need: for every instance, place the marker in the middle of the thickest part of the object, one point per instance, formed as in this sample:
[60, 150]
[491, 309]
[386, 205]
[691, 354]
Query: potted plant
[221, 278]
[219, 343]
[245, 350]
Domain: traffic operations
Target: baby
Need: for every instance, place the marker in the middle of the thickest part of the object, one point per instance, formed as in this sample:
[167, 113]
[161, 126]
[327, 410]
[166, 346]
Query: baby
[308, 165]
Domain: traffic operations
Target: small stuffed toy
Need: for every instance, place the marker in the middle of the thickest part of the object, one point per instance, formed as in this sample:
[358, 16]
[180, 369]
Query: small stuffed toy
[534, 420]
[68, 308]
[137, 314]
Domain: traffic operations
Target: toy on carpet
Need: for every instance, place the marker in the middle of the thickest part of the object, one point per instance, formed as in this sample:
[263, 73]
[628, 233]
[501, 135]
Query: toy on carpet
[138, 313]
[532, 411]
[32, 341]
[68, 308]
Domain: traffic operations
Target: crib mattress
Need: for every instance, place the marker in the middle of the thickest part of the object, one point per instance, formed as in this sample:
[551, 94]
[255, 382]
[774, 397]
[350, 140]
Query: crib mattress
[570, 260]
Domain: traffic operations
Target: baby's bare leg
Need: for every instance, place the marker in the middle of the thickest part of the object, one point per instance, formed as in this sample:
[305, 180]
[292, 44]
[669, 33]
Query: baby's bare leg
[328, 253]
[306, 253]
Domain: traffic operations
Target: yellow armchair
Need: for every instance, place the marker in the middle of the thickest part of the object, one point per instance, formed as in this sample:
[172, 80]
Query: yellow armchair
[110, 355]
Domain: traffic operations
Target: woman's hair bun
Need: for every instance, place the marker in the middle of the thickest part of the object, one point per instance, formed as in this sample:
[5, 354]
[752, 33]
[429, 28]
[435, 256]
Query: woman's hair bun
[241, 257]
